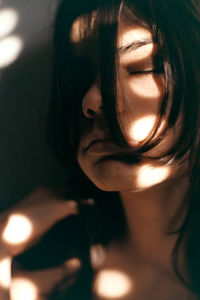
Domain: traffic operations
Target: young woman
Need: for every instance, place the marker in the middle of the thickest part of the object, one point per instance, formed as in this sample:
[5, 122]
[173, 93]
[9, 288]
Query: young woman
[125, 119]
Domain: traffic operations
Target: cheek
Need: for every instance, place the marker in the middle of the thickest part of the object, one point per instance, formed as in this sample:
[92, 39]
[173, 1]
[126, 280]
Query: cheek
[139, 102]
[149, 87]
[140, 129]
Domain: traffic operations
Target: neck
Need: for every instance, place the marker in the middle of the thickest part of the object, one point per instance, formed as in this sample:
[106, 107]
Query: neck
[151, 214]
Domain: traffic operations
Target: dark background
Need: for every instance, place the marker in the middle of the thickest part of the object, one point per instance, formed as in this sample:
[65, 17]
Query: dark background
[26, 162]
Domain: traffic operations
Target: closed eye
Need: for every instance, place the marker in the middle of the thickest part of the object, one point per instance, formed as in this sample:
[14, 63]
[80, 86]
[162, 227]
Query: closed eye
[147, 72]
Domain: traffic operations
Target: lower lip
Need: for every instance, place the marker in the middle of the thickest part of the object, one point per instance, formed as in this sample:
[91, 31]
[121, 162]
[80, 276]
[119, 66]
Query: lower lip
[102, 148]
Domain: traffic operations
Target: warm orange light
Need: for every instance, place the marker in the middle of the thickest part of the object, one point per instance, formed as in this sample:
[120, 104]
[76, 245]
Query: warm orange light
[8, 21]
[75, 35]
[133, 33]
[17, 230]
[150, 175]
[23, 289]
[142, 128]
[5, 272]
[112, 284]
[73, 264]
[147, 87]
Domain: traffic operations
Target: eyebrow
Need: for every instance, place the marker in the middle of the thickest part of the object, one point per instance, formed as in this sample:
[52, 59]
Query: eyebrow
[133, 46]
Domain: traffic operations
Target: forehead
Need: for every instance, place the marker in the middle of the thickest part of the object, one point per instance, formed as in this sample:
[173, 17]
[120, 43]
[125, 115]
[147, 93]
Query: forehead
[127, 33]
[130, 29]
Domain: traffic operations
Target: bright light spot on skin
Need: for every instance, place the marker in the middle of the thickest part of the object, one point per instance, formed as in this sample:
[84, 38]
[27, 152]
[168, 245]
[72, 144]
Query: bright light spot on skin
[130, 33]
[148, 87]
[75, 35]
[8, 21]
[112, 284]
[18, 229]
[5, 272]
[142, 128]
[23, 289]
[150, 175]
[10, 49]
[77, 29]
[73, 264]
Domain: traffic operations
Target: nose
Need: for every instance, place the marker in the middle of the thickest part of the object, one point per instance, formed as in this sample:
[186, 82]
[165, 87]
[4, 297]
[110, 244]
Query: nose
[92, 102]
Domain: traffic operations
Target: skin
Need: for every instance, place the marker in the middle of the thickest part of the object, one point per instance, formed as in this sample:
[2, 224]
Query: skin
[140, 90]
[151, 209]
[42, 209]
[150, 206]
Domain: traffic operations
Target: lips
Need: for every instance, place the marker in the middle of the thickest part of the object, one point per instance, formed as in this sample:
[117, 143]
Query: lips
[102, 147]
[95, 142]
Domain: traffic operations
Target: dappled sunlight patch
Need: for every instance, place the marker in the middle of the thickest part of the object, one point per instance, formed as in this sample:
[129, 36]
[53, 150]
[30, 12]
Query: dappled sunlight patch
[136, 33]
[73, 264]
[17, 230]
[75, 34]
[10, 49]
[141, 128]
[8, 21]
[23, 289]
[5, 272]
[112, 284]
[140, 54]
[149, 175]
[78, 32]
[147, 86]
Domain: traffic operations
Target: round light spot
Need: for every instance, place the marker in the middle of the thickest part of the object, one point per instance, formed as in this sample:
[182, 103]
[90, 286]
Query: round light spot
[10, 49]
[149, 175]
[5, 272]
[73, 264]
[18, 229]
[142, 128]
[112, 284]
[23, 289]
[8, 21]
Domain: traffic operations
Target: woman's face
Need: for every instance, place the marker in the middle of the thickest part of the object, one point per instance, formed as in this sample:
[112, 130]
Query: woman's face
[140, 90]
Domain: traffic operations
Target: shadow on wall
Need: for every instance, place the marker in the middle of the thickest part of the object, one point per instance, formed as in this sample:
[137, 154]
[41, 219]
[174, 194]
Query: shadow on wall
[26, 162]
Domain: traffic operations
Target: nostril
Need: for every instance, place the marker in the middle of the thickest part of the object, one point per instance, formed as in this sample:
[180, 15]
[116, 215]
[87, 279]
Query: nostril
[90, 112]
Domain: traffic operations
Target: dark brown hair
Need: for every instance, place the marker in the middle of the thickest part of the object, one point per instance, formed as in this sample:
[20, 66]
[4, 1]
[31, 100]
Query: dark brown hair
[176, 29]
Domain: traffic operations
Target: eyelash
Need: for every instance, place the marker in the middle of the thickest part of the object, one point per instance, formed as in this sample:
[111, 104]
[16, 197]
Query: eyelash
[147, 72]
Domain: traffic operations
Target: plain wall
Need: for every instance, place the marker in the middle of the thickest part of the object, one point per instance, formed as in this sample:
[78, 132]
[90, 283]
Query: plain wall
[25, 160]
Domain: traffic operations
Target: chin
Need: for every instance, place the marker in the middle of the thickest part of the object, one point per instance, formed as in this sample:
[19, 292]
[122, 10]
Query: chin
[108, 176]
[106, 187]
[112, 183]
[117, 176]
